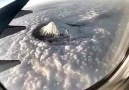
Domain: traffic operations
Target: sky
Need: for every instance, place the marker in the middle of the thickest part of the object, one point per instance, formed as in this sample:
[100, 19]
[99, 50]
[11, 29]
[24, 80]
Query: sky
[4, 2]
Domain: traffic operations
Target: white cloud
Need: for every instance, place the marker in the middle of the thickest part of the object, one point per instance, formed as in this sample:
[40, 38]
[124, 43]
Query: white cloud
[35, 2]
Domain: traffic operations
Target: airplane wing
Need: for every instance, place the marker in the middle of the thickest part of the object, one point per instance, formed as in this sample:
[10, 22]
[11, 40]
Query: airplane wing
[22, 13]
[7, 14]
[11, 30]
[6, 64]
[2, 87]
[10, 12]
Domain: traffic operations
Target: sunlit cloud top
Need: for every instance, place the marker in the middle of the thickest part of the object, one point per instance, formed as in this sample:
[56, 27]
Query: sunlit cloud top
[35, 2]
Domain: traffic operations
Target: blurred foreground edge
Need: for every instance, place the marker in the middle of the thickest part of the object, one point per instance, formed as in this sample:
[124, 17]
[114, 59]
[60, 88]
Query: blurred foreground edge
[2, 87]
[7, 64]
[120, 74]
